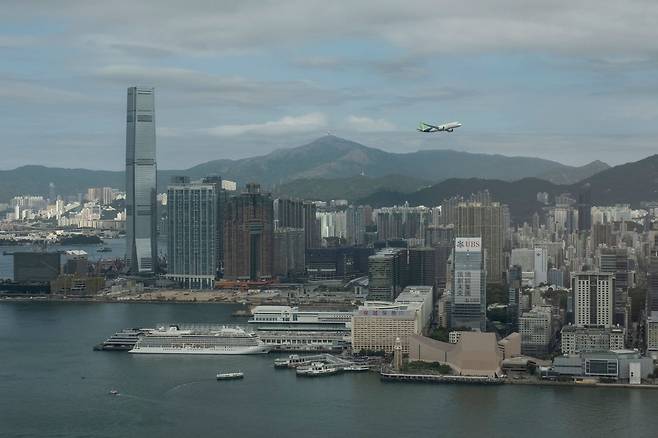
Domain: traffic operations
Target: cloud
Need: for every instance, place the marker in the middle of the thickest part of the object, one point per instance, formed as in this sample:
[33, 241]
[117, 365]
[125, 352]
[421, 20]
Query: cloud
[366, 124]
[286, 125]
[25, 92]
[208, 28]
[200, 87]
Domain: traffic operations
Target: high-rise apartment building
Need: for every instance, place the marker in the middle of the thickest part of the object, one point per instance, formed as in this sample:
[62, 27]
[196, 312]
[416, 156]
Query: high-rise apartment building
[141, 206]
[593, 298]
[248, 235]
[192, 213]
[469, 296]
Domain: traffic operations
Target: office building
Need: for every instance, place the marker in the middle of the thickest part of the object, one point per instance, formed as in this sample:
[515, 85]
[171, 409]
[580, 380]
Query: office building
[289, 254]
[585, 208]
[248, 235]
[469, 284]
[593, 298]
[486, 221]
[387, 274]
[312, 237]
[338, 263]
[141, 206]
[192, 215]
[425, 266]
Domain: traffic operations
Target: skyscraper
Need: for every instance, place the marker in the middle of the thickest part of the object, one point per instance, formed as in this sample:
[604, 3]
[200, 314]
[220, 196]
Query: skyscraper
[483, 219]
[141, 207]
[248, 236]
[469, 288]
[192, 240]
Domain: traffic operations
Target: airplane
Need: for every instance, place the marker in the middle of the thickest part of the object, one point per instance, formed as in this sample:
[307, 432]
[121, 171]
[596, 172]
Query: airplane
[449, 127]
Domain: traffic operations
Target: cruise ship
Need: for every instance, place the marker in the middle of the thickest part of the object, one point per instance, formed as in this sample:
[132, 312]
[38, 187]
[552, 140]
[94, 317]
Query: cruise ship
[200, 340]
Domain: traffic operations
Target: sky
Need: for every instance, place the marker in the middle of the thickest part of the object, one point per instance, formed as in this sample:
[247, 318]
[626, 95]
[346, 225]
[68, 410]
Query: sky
[572, 81]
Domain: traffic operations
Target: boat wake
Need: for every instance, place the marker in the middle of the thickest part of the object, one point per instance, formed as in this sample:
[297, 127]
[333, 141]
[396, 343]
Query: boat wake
[183, 385]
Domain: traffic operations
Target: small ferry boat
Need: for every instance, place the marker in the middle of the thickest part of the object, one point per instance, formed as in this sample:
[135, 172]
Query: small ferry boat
[292, 361]
[356, 369]
[317, 369]
[230, 376]
[114, 392]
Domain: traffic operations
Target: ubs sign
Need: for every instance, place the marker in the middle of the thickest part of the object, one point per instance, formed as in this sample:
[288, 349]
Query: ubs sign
[465, 244]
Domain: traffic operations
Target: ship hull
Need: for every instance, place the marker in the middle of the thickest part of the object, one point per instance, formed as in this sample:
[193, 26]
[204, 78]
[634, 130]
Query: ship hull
[219, 350]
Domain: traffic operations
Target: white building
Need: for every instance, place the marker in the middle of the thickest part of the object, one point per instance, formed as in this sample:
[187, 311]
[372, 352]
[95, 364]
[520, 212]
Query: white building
[593, 298]
[588, 339]
[376, 325]
[423, 295]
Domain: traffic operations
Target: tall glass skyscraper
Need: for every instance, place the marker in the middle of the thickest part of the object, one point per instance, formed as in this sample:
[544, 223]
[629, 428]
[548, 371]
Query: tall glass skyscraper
[141, 207]
[192, 249]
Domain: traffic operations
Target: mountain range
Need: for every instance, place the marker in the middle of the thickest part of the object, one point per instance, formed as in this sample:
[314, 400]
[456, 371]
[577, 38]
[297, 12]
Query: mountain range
[312, 170]
[629, 183]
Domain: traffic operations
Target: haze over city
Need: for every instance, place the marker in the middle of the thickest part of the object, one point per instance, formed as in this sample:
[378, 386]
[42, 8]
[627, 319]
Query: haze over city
[569, 81]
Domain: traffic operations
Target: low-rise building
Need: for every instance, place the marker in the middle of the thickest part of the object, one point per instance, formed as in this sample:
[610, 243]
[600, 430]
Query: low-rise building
[593, 338]
[474, 354]
[624, 366]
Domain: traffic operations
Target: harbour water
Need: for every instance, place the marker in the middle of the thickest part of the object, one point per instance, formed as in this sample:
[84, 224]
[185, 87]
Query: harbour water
[52, 384]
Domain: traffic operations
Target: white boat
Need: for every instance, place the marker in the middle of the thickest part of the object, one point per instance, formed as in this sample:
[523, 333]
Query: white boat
[200, 340]
[293, 361]
[317, 369]
[230, 376]
[356, 368]
[114, 392]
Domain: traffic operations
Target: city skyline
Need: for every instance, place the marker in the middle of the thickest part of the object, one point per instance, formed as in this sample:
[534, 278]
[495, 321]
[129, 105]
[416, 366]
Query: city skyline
[540, 81]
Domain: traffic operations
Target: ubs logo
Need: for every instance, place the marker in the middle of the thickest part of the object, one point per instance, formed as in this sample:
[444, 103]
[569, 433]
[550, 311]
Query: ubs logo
[468, 244]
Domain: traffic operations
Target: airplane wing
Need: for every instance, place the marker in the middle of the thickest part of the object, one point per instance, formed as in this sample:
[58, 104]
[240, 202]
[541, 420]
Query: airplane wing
[424, 127]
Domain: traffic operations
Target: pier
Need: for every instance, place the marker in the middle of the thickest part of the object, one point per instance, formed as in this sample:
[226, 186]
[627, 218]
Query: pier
[429, 378]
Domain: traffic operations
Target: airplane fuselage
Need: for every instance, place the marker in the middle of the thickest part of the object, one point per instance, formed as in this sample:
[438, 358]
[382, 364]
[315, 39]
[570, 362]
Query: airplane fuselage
[447, 127]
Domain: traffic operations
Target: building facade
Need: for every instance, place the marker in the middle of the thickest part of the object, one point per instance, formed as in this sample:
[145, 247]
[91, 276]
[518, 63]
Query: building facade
[585, 339]
[141, 206]
[536, 331]
[248, 236]
[376, 325]
[469, 295]
[193, 233]
[593, 298]
[387, 270]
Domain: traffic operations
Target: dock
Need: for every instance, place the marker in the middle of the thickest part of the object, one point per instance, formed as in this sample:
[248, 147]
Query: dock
[431, 378]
